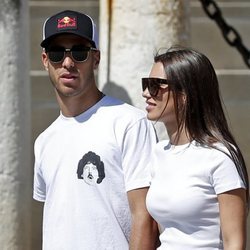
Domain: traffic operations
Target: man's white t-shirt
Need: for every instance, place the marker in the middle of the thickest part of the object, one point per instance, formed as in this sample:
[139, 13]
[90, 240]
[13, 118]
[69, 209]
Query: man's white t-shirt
[83, 167]
[183, 194]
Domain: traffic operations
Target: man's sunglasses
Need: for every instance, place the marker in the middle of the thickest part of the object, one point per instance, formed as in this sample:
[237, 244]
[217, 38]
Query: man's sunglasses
[78, 53]
[153, 85]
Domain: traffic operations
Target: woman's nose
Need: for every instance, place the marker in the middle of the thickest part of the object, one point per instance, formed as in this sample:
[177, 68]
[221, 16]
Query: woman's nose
[145, 93]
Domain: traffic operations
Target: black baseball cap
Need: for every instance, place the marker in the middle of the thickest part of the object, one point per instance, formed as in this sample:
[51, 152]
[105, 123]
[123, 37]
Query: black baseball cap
[69, 22]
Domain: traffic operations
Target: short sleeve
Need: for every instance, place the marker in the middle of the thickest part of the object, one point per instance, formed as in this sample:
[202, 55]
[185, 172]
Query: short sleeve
[225, 176]
[137, 146]
[39, 187]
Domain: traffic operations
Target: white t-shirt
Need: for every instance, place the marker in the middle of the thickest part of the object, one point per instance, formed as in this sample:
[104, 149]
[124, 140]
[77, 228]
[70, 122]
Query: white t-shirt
[183, 194]
[83, 167]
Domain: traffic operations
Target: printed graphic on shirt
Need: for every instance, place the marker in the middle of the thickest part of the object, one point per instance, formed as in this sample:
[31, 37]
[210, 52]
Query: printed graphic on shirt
[91, 169]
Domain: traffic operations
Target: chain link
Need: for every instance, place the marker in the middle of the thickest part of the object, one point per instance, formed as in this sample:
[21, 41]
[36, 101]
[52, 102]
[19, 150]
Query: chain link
[229, 33]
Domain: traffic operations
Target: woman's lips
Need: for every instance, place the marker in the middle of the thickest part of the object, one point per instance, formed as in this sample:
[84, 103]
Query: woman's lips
[150, 106]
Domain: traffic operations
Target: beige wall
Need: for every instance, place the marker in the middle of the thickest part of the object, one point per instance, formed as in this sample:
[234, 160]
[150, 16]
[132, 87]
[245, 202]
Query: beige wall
[233, 75]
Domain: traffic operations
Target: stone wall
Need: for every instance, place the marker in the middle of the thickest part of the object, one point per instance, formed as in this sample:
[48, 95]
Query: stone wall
[15, 165]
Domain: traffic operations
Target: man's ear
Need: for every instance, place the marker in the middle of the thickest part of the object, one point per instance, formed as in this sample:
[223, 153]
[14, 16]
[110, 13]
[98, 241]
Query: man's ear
[97, 57]
[45, 60]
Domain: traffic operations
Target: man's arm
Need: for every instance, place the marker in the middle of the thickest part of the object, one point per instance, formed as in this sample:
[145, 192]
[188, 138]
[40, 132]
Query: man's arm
[144, 230]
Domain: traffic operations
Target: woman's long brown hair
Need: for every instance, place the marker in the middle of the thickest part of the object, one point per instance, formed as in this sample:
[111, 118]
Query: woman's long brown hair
[191, 73]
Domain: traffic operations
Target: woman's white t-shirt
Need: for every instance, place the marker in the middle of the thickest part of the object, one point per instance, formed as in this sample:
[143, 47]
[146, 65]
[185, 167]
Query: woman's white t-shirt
[183, 194]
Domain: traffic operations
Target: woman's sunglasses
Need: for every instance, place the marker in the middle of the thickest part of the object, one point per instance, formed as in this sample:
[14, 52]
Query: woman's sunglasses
[78, 53]
[153, 85]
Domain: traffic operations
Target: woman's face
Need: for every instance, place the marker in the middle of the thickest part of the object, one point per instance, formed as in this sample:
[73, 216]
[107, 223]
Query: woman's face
[161, 107]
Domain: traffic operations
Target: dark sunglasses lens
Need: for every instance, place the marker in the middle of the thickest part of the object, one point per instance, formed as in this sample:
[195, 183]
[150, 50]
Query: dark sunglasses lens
[56, 55]
[144, 85]
[153, 88]
[151, 85]
[79, 55]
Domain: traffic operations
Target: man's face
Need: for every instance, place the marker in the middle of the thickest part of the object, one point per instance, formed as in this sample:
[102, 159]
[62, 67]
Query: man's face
[69, 77]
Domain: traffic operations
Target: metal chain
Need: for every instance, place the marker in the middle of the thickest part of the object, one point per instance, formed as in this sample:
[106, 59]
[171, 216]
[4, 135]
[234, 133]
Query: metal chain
[229, 33]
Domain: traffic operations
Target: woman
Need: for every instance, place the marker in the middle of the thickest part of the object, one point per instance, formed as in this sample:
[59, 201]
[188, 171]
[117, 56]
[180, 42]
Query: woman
[199, 191]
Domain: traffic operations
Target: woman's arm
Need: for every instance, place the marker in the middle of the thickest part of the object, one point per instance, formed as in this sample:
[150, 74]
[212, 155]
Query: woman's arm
[233, 216]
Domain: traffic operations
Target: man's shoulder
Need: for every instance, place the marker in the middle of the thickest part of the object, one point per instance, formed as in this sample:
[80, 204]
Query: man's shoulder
[122, 107]
[47, 132]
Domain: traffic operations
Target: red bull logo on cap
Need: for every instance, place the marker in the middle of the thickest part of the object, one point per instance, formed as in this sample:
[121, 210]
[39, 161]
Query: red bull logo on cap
[66, 22]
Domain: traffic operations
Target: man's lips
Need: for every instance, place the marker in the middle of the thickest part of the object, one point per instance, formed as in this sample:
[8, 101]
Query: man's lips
[68, 76]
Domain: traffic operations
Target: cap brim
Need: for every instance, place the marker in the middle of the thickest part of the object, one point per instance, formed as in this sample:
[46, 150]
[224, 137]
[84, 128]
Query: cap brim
[45, 43]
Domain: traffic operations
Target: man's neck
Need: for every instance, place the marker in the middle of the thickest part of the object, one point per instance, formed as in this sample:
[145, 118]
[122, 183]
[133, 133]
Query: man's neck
[74, 106]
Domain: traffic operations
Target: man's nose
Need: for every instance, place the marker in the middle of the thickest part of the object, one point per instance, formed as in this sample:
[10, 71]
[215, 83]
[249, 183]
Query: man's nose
[68, 62]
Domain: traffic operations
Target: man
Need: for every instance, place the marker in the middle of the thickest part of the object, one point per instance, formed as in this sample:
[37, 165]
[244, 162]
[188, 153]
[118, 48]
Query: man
[89, 210]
